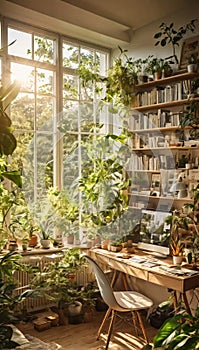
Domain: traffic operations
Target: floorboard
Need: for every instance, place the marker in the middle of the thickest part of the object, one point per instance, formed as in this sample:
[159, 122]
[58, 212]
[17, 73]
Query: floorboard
[83, 336]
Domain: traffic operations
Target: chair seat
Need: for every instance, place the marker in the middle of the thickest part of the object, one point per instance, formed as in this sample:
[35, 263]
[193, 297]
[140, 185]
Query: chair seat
[132, 301]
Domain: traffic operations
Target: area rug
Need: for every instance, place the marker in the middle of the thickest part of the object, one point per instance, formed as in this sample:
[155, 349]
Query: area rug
[37, 344]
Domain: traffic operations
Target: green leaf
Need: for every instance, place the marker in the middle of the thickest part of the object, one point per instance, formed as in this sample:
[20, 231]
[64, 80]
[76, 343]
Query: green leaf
[166, 330]
[14, 176]
[157, 35]
[163, 42]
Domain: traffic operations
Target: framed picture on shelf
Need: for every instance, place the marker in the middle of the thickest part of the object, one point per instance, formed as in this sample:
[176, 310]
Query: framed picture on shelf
[190, 47]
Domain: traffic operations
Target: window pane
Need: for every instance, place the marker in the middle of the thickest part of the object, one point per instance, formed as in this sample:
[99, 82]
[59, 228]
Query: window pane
[70, 56]
[23, 45]
[70, 159]
[45, 81]
[23, 111]
[44, 162]
[45, 113]
[70, 86]
[69, 120]
[44, 49]
[24, 74]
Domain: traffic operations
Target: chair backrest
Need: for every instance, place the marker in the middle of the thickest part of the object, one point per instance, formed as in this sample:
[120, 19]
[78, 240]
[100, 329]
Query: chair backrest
[104, 286]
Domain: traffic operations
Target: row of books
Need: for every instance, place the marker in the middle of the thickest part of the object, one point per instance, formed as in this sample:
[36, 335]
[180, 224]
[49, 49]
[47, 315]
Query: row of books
[151, 120]
[168, 93]
[152, 163]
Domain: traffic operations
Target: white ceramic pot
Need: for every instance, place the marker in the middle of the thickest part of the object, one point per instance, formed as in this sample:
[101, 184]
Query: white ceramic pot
[177, 260]
[45, 243]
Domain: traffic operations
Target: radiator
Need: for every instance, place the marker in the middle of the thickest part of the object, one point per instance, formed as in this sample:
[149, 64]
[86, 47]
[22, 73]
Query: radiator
[35, 304]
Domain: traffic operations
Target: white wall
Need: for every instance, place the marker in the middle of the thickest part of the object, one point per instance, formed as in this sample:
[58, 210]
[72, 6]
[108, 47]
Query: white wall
[142, 42]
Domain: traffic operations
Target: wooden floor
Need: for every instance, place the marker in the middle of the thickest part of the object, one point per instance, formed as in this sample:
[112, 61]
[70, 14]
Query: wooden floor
[83, 336]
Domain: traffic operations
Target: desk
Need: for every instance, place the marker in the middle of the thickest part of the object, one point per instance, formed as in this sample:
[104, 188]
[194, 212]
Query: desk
[155, 274]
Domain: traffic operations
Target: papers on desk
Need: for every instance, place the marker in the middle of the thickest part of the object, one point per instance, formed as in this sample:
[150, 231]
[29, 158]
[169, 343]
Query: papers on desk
[146, 261]
[178, 271]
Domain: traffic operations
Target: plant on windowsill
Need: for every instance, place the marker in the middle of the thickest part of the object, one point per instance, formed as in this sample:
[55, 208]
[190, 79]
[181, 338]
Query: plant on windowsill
[67, 211]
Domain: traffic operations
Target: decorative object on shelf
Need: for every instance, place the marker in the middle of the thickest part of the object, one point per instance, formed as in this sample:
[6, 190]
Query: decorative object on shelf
[168, 35]
[189, 52]
[180, 188]
[193, 61]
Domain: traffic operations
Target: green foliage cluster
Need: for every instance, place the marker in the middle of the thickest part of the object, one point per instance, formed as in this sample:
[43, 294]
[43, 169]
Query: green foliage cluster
[178, 332]
[103, 181]
[170, 35]
[9, 299]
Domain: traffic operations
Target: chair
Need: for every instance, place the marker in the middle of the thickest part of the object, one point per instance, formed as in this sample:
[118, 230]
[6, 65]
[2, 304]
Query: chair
[119, 301]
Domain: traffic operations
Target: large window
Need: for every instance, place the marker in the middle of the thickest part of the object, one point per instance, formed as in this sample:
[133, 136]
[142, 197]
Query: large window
[53, 112]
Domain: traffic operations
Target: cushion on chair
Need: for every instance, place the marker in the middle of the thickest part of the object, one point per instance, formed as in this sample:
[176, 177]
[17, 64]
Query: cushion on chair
[132, 300]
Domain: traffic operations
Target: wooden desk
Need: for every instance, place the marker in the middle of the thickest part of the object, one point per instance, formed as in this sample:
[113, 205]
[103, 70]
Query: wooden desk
[155, 275]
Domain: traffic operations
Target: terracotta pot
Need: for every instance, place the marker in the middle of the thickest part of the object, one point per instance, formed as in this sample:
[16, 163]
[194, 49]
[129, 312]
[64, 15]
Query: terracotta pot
[70, 239]
[33, 241]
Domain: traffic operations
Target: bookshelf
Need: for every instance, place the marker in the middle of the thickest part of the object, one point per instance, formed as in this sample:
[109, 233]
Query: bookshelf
[158, 143]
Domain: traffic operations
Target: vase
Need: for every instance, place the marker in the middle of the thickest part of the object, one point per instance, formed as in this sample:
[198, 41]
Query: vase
[45, 243]
[177, 259]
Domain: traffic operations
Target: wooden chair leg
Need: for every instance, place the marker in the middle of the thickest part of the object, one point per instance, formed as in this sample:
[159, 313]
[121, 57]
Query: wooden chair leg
[110, 328]
[134, 318]
[142, 326]
[107, 314]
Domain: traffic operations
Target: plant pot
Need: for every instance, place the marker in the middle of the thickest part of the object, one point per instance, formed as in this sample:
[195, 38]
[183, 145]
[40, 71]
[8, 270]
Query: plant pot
[45, 243]
[75, 308]
[104, 244]
[70, 239]
[88, 315]
[116, 248]
[157, 75]
[177, 259]
[33, 241]
[192, 68]
[24, 246]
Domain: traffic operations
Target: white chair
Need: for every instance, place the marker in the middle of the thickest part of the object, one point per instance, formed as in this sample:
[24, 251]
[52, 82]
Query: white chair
[119, 301]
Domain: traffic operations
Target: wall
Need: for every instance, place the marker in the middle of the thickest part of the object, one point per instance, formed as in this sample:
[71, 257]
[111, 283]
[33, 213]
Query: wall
[142, 41]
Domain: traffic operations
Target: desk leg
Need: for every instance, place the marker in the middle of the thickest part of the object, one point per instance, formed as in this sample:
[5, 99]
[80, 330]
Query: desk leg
[125, 281]
[175, 300]
[184, 297]
[113, 278]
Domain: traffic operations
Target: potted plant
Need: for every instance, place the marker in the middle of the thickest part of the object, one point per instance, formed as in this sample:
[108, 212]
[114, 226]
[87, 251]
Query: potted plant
[158, 67]
[180, 331]
[176, 242]
[57, 280]
[9, 299]
[193, 61]
[168, 35]
[67, 211]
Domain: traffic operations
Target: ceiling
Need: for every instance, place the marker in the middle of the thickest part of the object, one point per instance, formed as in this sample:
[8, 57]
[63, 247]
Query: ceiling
[131, 13]
[104, 22]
